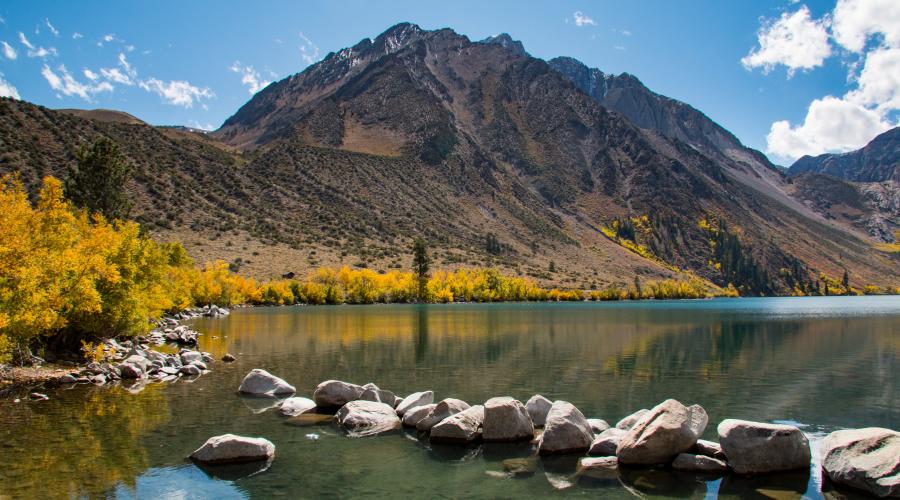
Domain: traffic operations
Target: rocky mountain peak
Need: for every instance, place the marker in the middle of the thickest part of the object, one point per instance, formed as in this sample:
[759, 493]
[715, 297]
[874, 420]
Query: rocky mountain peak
[506, 41]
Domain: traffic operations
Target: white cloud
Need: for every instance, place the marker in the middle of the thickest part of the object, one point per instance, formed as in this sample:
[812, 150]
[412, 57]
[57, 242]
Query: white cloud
[34, 51]
[856, 20]
[9, 52]
[51, 27]
[109, 37]
[64, 83]
[90, 75]
[129, 48]
[77, 36]
[249, 77]
[116, 76]
[878, 84]
[177, 92]
[7, 89]
[309, 52]
[582, 19]
[794, 40]
[208, 127]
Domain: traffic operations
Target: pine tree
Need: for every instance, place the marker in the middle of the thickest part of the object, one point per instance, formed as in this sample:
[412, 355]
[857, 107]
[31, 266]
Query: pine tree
[98, 182]
[421, 268]
[846, 282]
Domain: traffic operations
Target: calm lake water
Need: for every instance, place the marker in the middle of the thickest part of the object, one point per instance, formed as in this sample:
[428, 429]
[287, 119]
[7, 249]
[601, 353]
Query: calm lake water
[820, 363]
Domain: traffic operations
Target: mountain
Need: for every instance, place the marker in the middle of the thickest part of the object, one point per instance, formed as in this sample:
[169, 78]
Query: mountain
[877, 161]
[493, 156]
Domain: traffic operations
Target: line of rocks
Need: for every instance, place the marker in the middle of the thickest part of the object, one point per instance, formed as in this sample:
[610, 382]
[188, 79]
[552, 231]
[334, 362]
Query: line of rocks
[666, 435]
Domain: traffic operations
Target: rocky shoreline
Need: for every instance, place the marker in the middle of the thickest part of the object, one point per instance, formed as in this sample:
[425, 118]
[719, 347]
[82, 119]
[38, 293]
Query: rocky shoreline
[667, 435]
[127, 360]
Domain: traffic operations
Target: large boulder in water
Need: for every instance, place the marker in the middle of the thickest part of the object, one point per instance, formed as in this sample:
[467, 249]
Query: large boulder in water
[629, 421]
[229, 448]
[442, 410]
[756, 447]
[506, 419]
[332, 393]
[297, 406]
[413, 400]
[606, 443]
[538, 407]
[415, 415]
[462, 427]
[566, 430]
[263, 383]
[367, 418]
[371, 392]
[687, 462]
[667, 430]
[867, 459]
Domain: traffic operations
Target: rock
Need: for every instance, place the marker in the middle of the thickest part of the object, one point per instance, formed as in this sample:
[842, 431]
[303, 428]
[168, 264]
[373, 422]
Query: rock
[189, 370]
[229, 448]
[629, 421]
[598, 467]
[565, 431]
[755, 447]
[206, 358]
[414, 400]
[414, 415]
[129, 371]
[228, 358]
[709, 449]
[462, 427]
[297, 406]
[598, 425]
[169, 370]
[66, 379]
[261, 382]
[538, 406]
[138, 361]
[332, 393]
[98, 379]
[371, 392]
[699, 463]
[397, 401]
[607, 442]
[867, 459]
[442, 410]
[506, 419]
[37, 396]
[367, 418]
[189, 357]
[662, 433]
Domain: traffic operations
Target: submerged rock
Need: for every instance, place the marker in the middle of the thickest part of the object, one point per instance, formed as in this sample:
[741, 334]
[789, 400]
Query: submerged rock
[606, 443]
[506, 419]
[756, 447]
[538, 407]
[228, 358]
[332, 393]
[867, 459]
[367, 418]
[229, 448]
[520, 467]
[565, 431]
[598, 467]
[662, 433]
[462, 427]
[415, 415]
[447, 407]
[414, 400]
[263, 383]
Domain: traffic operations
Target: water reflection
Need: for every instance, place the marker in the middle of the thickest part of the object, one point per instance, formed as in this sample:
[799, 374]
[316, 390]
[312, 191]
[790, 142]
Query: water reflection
[742, 359]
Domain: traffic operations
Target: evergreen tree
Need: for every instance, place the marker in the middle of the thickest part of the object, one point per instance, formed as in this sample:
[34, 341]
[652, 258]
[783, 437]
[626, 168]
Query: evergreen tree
[637, 285]
[846, 282]
[98, 182]
[421, 268]
[552, 268]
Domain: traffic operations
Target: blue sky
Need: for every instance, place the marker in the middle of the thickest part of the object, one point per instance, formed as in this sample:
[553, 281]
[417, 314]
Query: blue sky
[194, 63]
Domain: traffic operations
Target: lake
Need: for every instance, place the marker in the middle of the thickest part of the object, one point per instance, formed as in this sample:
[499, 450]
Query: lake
[821, 363]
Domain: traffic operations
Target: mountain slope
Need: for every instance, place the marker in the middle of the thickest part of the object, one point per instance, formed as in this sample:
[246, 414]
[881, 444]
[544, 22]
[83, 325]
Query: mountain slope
[877, 161]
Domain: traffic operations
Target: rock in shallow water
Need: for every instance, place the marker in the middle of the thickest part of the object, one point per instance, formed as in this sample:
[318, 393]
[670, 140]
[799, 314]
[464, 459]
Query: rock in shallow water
[447, 407]
[756, 447]
[565, 431]
[413, 400]
[462, 427]
[263, 383]
[629, 421]
[229, 448]
[606, 443]
[538, 407]
[333, 393]
[867, 459]
[367, 418]
[414, 415]
[598, 425]
[506, 419]
[699, 463]
[662, 433]
[297, 406]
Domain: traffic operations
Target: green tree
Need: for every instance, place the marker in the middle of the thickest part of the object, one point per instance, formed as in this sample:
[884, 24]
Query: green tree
[98, 182]
[637, 286]
[846, 282]
[421, 268]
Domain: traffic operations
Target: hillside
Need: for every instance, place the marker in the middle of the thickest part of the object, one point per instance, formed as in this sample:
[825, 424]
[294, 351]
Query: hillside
[493, 156]
[877, 161]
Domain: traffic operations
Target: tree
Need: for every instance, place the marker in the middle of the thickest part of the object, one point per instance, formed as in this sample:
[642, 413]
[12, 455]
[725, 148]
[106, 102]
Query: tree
[552, 267]
[637, 286]
[846, 282]
[98, 182]
[421, 268]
